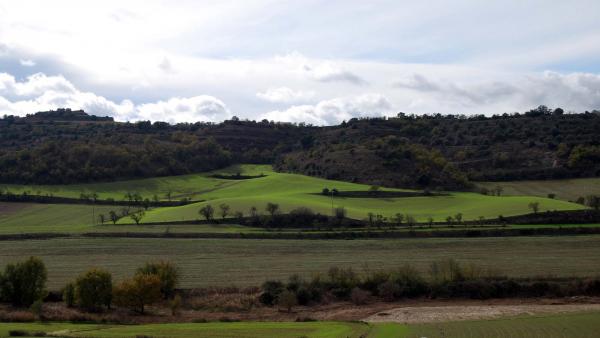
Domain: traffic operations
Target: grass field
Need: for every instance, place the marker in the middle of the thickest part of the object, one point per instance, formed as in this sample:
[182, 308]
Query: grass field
[580, 325]
[246, 262]
[16, 218]
[238, 330]
[568, 190]
[583, 325]
[291, 191]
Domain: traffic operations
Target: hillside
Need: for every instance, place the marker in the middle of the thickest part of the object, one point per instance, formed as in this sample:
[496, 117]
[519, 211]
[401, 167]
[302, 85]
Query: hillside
[435, 151]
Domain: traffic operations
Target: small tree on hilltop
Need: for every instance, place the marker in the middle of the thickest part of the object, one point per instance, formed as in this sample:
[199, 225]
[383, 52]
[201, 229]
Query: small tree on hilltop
[272, 208]
[224, 208]
[593, 201]
[458, 218]
[207, 212]
[534, 206]
[113, 216]
[137, 216]
[398, 219]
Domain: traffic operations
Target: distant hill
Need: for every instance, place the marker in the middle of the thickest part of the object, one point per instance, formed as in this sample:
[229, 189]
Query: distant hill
[435, 151]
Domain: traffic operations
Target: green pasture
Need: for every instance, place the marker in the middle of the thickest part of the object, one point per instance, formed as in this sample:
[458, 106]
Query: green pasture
[567, 189]
[249, 262]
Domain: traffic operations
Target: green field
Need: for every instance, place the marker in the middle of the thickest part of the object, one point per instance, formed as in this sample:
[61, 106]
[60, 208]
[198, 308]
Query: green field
[239, 330]
[291, 191]
[568, 189]
[248, 262]
[580, 325]
[17, 218]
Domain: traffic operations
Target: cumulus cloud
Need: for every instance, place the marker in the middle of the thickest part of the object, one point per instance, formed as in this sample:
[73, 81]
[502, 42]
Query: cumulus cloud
[319, 70]
[41, 92]
[285, 95]
[334, 111]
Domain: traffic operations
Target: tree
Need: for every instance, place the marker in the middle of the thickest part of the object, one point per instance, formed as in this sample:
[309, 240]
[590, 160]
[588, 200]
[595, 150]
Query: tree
[169, 195]
[410, 220]
[167, 272]
[398, 219]
[137, 292]
[458, 218]
[68, 295]
[224, 210]
[272, 208]
[93, 289]
[137, 216]
[253, 212]
[287, 299]
[340, 213]
[593, 201]
[498, 189]
[325, 191]
[371, 218]
[113, 216]
[101, 218]
[207, 211]
[534, 206]
[23, 283]
[175, 304]
[374, 190]
[449, 219]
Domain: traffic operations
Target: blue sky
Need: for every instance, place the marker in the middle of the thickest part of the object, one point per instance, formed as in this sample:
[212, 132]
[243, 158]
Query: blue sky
[304, 61]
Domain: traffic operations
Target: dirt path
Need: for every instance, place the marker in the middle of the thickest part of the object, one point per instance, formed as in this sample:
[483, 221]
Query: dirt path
[428, 314]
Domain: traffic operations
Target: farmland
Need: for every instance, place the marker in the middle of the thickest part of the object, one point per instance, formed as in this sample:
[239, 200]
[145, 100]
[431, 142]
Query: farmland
[550, 326]
[246, 262]
[291, 191]
[567, 189]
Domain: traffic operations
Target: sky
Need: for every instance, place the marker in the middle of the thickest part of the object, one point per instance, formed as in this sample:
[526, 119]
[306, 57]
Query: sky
[318, 62]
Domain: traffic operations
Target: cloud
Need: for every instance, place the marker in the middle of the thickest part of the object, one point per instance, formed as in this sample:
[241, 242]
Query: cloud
[285, 95]
[27, 63]
[40, 92]
[334, 111]
[320, 70]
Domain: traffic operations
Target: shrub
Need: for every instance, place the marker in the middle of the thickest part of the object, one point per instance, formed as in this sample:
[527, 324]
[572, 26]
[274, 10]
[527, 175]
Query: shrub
[410, 282]
[23, 283]
[389, 291]
[137, 292]
[175, 304]
[271, 290]
[359, 296]
[341, 281]
[93, 289]
[168, 274]
[68, 295]
[287, 299]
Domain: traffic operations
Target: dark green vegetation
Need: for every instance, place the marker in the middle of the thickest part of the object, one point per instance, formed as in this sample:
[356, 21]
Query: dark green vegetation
[433, 151]
[245, 262]
[567, 189]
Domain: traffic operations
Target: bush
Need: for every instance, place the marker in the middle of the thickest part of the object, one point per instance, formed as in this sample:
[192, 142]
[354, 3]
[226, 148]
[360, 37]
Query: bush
[341, 281]
[389, 291]
[271, 291]
[23, 283]
[287, 299]
[68, 295]
[359, 296]
[168, 274]
[93, 289]
[410, 282]
[137, 292]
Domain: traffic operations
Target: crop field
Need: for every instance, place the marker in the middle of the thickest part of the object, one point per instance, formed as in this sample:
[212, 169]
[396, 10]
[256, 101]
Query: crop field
[248, 262]
[580, 325]
[583, 325]
[568, 189]
[291, 191]
[241, 330]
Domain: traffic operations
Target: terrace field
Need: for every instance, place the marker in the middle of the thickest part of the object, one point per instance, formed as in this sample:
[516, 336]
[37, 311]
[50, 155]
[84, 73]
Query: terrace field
[249, 262]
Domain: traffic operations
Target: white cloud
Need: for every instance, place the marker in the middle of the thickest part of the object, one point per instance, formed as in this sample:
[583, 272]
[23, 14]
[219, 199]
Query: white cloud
[334, 111]
[40, 92]
[27, 63]
[285, 95]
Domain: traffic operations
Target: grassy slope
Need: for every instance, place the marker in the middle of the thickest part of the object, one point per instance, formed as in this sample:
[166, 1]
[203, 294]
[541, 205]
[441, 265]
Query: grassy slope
[568, 190]
[291, 191]
[29, 217]
[245, 262]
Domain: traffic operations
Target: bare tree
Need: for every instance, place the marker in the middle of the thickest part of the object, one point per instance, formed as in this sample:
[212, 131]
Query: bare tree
[224, 210]
[534, 206]
[207, 211]
[272, 208]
